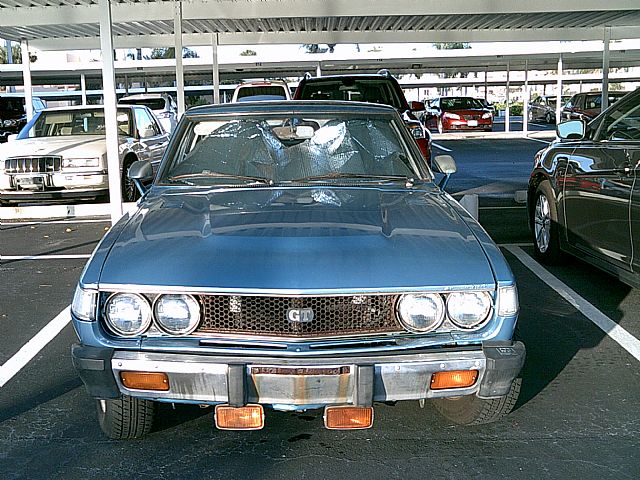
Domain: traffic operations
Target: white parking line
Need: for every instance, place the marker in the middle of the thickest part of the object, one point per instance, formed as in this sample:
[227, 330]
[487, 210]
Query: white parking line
[45, 257]
[546, 142]
[34, 346]
[440, 147]
[627, 341]
[47, 222]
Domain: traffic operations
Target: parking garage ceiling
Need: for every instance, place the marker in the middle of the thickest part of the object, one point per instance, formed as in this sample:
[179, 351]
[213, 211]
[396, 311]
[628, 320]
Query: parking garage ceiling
[73, 24]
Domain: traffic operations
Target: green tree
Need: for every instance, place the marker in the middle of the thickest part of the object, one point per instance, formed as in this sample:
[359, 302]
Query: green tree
[248, 53]
[171, 53]
[316, 48]
[16, 54]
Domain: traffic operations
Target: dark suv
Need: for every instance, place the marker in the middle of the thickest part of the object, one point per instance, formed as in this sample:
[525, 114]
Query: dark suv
[13, 116]
[379, 88]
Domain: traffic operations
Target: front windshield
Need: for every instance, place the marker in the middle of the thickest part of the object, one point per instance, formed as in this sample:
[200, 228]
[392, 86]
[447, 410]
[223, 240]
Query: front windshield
[60, 123]
[460, 103]
[270, 149]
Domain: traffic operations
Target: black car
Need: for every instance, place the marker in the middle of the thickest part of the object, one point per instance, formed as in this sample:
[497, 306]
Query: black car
[381, 88]
[13, 116]
[583, 195]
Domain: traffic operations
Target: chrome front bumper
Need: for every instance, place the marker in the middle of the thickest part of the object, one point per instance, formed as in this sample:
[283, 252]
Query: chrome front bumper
[298, 383]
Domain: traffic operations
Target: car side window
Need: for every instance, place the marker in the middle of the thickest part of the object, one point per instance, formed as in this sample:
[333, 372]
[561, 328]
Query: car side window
[621, 123]
[145, 124]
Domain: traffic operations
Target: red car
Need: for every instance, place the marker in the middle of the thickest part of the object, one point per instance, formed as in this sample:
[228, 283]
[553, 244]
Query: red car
[458, 113]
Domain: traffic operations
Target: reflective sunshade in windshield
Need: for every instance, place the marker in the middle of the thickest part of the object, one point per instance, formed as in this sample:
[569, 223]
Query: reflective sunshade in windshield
[288, 149]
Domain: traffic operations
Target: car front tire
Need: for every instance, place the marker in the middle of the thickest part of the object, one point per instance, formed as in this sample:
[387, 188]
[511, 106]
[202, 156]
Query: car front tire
[126, 418]
[130, 192]
[471, 410]
[546, 236]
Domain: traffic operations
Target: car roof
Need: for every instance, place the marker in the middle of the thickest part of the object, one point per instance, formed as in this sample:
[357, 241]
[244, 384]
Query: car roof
[293, 107]
[364, 76]
[84, 107]
[144, 96]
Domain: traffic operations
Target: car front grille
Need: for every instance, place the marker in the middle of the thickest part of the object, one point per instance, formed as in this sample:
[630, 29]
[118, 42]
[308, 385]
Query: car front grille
[272, 316]
[48, 164]
[472, 117]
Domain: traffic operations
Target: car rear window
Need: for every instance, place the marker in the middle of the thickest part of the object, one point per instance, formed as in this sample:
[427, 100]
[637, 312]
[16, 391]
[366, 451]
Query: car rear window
[350, 89]
[273, 92]
[152, 103]
[12, 105]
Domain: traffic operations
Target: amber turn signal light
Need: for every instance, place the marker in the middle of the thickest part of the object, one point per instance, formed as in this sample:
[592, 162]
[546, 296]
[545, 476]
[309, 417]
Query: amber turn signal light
[348, 418]
[249, 417]
[453, 379]
[145, 380]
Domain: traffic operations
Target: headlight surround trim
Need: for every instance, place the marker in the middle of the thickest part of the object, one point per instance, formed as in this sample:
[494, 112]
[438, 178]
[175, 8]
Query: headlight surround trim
[145, 314]
[193, 308]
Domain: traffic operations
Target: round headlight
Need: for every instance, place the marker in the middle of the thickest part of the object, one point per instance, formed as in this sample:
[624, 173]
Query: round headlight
[177, 314]
[468, 309]
[127, 314]
[421, 312]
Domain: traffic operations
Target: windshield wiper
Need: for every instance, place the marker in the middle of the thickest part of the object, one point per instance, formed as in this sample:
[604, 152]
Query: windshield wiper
[206, 174]
[359, 176]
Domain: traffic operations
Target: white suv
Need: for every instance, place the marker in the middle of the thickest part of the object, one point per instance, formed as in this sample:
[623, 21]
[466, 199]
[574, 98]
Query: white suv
[260, 90]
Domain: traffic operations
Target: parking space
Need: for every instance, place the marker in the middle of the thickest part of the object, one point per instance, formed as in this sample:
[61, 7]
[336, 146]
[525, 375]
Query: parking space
[576, 416]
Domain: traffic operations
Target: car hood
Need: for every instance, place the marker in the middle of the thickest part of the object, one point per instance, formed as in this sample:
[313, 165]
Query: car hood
[72, 146]
[298, 239]
[468, 111]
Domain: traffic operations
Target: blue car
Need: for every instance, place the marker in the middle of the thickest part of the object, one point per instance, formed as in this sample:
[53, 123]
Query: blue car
[295, 255]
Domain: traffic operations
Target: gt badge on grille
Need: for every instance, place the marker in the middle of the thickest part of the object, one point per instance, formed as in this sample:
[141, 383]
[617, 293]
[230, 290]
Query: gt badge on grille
[300, 315]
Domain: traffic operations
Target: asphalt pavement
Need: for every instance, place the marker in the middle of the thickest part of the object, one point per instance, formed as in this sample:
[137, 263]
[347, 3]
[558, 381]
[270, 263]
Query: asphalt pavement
[577, 416]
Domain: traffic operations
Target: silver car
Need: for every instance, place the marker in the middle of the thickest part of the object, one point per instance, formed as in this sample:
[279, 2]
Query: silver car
[163, 106]
[62, 153]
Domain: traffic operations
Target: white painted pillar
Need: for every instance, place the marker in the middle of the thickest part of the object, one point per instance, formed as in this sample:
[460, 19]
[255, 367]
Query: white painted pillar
[507, 113]
[110, 110]
[216, 69]
[605, 67]
[486, 82]
[26, 76]
[526, 97]
[318, 70]
[83, 88]
[177, 34]
[559, 91]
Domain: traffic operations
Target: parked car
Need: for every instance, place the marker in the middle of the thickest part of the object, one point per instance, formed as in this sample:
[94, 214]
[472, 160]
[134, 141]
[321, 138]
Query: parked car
[585, 106]
[544, 108]
[13, 115]
[381, 88]
[297, 255]
[584, 197]
[458, 113]
[61, 153]
[163, 106]
[261, 90]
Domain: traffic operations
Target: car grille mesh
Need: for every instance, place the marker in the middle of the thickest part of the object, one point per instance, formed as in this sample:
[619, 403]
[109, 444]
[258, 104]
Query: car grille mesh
[269, 316]
[46, 164]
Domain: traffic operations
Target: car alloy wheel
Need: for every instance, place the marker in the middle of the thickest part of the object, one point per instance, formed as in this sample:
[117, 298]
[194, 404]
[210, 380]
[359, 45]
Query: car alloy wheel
[542, 224]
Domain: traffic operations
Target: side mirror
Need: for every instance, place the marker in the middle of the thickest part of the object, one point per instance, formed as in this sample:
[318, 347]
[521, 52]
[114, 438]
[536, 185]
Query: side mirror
[141, 172]
[571, 130]
[447, 165]
[417, 106]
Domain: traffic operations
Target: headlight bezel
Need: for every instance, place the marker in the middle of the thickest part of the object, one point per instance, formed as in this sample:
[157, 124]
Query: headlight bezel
[483, 317]
[75, 163]
[144, 326]
[448, 323]
[413, 296]
[163, 328]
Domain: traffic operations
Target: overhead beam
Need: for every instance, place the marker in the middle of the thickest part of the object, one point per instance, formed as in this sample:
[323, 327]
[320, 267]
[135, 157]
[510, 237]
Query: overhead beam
[251, 9]
[204, 39]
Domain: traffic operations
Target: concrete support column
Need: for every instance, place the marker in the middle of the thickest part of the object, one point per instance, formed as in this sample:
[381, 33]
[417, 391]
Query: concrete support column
[83, 88]
[318, 70]
[605, 67]
[526, 97]
[26, 76]
[486, 82]
[507, 113]
[216, 68]
[110, 110]
[559, 91]
[177, 34]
